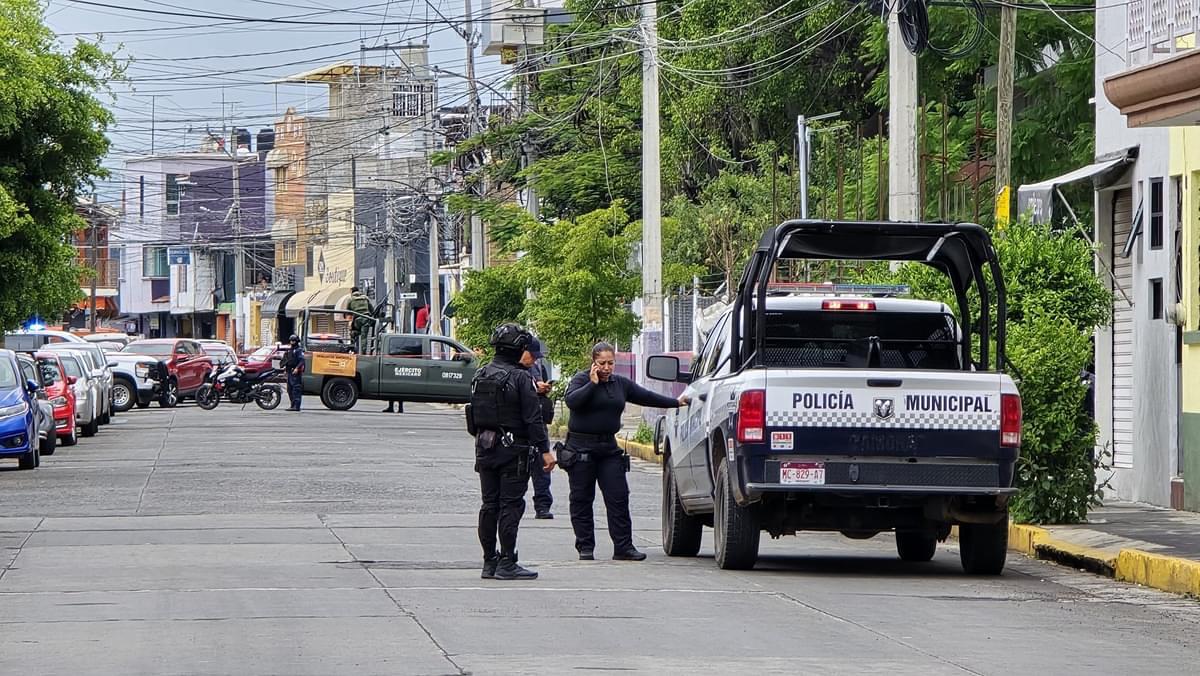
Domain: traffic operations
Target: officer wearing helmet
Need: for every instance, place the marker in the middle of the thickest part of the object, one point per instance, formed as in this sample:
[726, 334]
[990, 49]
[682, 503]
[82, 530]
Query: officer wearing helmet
[293, 365]
[505, 418]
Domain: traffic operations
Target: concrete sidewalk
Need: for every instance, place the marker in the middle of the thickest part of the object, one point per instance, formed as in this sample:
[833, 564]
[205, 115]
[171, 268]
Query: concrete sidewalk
[1158, 548]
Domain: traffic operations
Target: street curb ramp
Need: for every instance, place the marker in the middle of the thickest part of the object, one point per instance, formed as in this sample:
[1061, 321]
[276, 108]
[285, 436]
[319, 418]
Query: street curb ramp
[1166, 573]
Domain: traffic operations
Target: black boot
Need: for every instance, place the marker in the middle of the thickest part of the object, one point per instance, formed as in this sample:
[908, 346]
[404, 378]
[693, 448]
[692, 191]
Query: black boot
[509, 569]
[390, 409]
[630, 554]
[489, 567]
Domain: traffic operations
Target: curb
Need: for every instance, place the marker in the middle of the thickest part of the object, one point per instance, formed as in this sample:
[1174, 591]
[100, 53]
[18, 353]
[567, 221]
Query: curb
[1166, 573]
[641, 451]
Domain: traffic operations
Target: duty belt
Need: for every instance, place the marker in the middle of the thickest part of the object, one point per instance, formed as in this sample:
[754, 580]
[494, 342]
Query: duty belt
[598, 438]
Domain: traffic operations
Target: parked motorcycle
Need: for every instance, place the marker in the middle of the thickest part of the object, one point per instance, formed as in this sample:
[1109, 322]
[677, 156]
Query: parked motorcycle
[233, 384]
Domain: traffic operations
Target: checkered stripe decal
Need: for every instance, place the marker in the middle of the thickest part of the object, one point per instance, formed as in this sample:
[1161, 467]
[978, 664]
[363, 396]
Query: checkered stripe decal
[937, 420]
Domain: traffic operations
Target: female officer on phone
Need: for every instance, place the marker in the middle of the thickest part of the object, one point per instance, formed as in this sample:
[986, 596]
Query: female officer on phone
[596, 398]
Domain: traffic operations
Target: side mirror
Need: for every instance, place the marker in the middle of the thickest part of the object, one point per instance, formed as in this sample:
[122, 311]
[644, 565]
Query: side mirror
[31, 386]
[71, 380]
[666, 368]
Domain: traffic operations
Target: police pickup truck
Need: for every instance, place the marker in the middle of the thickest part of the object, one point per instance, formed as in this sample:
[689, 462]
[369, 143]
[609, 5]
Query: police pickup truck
[387, 366]
[846, 408]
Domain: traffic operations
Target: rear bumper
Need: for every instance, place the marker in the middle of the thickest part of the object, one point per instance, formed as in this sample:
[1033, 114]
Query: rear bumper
[757, 489]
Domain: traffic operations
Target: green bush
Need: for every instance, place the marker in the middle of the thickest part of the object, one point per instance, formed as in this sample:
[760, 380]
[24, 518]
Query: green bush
[1055, 301]
[644, 435]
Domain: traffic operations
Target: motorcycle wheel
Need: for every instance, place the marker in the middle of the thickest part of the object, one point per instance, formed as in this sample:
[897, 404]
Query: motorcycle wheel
[207, 398]
[269, 397]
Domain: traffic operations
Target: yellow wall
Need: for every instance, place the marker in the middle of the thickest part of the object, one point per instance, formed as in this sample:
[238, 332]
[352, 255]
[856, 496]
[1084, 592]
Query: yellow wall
[337, 253]
[1185, 162]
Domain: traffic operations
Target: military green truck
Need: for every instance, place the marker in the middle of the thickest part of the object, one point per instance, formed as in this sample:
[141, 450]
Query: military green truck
[384, 365]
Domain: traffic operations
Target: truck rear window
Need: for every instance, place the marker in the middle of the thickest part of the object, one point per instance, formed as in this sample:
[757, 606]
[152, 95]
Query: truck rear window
[839, 339]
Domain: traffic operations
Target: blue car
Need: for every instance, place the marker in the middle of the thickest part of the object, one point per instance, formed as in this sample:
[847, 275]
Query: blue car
[18, 427]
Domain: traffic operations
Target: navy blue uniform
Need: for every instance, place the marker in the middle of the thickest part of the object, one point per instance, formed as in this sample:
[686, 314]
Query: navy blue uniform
[293, 363]
[596, 410]
[543, 500]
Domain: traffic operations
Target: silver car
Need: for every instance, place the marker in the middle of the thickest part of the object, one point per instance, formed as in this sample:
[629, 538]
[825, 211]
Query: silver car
[99, 368]
[87, 390]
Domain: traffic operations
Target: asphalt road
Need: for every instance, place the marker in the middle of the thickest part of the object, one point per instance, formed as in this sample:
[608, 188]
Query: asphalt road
[249, 542]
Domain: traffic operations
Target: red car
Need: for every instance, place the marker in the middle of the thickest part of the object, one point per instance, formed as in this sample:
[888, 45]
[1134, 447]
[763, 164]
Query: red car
[60, 394]
[187, 365]
[261, 359]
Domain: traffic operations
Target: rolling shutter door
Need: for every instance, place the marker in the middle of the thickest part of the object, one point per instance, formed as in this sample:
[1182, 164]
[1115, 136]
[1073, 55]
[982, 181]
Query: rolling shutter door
[1122, 332]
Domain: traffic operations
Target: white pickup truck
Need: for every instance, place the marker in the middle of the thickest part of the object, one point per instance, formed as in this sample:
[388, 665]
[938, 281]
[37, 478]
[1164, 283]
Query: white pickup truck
[846, 408]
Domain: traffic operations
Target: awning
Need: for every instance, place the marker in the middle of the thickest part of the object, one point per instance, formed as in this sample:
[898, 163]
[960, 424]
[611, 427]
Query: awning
[275, 303]
[327, 297]
[1038, 198]
[104, 304]
[276, 157]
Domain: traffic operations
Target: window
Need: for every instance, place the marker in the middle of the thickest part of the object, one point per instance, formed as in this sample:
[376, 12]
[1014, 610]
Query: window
[405, 346]
[408, 100]
[442, 350]
[836, 339]
[308, 261]
[182, 348]
[172, 194]
[289, 253]
[49, 369]
[280, 179]
[1156, 213]
[154, 262]
[29, 371]
[710, 355]
[1156, 298]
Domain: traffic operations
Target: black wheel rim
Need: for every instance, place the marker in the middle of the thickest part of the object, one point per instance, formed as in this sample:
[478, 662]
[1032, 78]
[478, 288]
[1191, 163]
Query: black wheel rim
[341, 394]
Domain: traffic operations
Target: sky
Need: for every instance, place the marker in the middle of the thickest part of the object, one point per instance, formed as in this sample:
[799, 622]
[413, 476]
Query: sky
[189, 68]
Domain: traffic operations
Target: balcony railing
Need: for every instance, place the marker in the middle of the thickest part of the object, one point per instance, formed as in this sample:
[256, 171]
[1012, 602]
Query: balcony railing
[108, 273]
[1161, 27]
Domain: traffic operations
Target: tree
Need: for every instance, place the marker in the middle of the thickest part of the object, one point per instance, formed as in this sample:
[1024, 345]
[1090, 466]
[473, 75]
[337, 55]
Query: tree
[52, 139]
[732, 212]
[489, 297]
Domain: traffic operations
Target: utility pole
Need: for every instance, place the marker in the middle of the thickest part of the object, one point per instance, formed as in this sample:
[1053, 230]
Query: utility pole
[904, 192]
[435, 265]
[652, 300]
[1004, 112]
[804, 154]
[529, 152]
[239, 272]
[478, 245]
[95, 262]
[389, 264]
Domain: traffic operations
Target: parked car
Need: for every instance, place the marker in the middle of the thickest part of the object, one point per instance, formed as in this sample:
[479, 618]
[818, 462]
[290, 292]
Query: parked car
[186, 363]
[219, 350]
[138, 379]
[18, 427]
[29, 341]
[87, 391]
[44, 411]
[262, 358]
[61, 394]
[119, 338]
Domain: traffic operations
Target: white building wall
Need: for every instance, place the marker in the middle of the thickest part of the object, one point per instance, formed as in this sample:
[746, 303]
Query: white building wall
[1155, 396]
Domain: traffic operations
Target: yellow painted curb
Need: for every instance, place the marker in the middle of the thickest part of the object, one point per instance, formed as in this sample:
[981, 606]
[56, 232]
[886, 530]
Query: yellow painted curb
[642, 451]
[1181, 576]
[1024, 538]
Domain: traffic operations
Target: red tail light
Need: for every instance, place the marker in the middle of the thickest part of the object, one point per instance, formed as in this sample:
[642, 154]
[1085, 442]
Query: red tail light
[851, 305]
[1010, 420]
[752, 416]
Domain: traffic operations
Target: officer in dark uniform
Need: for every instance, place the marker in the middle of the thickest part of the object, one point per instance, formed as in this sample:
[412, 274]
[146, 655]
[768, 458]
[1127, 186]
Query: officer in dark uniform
[506, 419]
[596, 398]
[535, 361]
[293, 365]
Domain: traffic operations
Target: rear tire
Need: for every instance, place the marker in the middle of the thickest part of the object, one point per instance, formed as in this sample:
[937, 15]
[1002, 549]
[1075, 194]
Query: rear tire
[170, 395]
[90, 429]
[143, 404]
[73, 438]
[207, 397]
[339, 394]
[46, 447]
[269, 397]
[736, 531]
[681, 532]
[915, 546]
[983, 547]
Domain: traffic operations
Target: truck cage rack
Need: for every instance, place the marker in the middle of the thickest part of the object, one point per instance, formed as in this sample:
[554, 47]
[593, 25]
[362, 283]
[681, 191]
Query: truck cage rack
[962, 251]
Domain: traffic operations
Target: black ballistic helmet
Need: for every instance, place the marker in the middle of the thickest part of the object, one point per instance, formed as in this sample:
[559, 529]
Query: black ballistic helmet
[293, 338]
[511, 337]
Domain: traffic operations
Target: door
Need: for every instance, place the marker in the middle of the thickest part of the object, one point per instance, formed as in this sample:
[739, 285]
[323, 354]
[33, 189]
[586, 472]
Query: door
[692, 470]
[190, 366]
[1122, 331]
[404, 367]
[453, 367]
